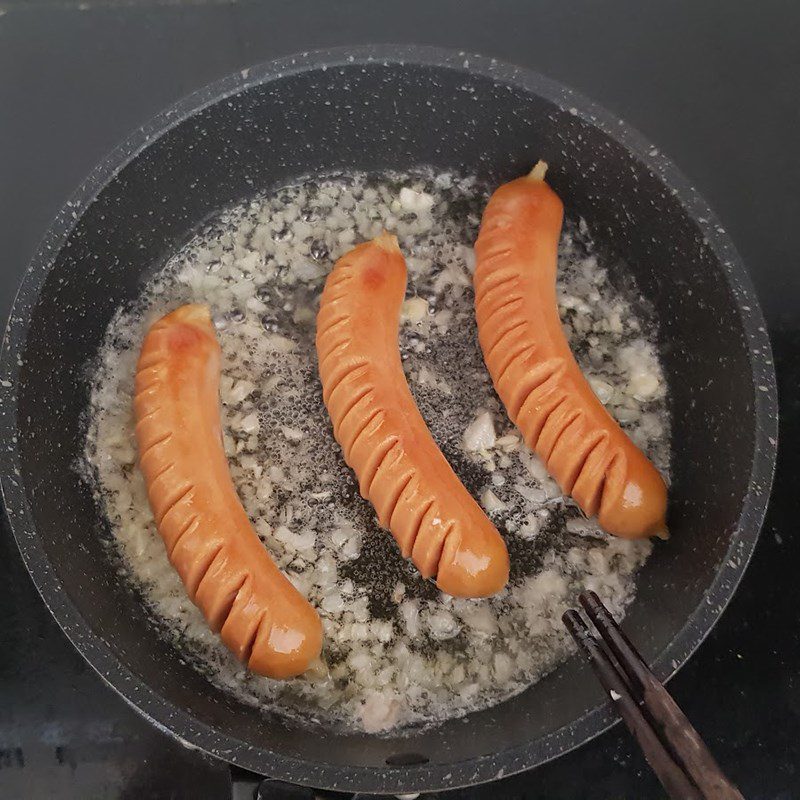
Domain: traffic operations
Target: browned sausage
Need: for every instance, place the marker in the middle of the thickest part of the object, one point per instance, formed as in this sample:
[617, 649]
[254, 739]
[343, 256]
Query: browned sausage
[535, 374]
[227, 572]
[401, 471]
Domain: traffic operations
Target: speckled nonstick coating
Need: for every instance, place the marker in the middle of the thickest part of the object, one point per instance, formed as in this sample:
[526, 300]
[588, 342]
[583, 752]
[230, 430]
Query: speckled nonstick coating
[376, 108]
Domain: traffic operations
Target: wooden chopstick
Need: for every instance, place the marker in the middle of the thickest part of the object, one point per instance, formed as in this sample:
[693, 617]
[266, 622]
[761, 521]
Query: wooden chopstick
[680, 735]
[668, 740]
[672, 777]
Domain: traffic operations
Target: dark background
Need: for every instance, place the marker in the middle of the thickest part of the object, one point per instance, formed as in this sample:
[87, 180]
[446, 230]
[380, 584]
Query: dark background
[715, 85]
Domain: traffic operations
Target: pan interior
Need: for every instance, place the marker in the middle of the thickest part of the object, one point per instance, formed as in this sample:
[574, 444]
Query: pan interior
[399, 652]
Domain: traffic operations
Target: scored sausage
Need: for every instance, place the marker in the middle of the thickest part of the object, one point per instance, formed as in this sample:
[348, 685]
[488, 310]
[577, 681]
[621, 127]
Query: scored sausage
[401, 471]
[535, 374]
[227, 573]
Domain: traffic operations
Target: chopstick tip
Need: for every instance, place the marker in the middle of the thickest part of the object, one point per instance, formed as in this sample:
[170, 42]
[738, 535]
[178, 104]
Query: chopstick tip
[589, 598]
[571, 618]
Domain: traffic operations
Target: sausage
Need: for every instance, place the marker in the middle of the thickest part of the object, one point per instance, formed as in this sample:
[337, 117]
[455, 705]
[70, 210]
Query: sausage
[401, 471]
[227, 573]
[535, 374]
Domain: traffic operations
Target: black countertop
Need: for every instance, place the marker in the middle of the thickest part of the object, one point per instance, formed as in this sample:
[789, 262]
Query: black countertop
[714, 84]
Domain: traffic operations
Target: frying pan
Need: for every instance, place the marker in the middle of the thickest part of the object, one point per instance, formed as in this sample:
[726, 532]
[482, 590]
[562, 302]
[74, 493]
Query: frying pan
[375, 108]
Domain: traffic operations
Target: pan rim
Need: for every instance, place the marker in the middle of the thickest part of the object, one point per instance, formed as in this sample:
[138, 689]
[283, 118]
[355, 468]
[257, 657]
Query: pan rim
[182, 725]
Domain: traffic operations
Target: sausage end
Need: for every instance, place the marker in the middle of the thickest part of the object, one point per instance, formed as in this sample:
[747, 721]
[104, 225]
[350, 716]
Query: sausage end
[473, 569]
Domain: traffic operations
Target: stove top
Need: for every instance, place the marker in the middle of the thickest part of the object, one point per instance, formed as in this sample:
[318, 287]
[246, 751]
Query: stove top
[672, 70]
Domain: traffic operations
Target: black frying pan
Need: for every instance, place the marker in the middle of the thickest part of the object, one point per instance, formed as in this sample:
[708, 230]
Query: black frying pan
[378, 108]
